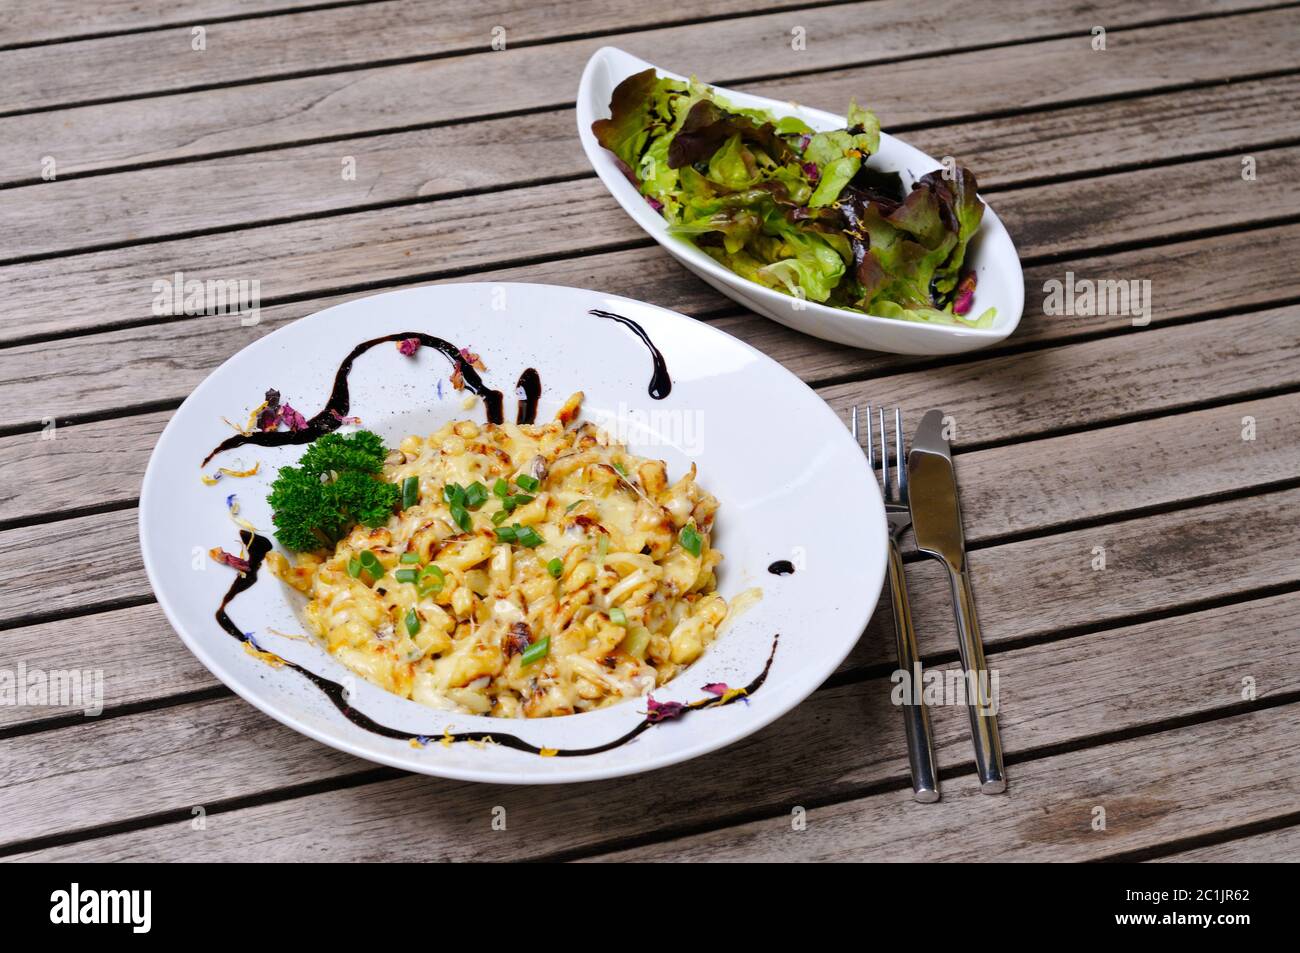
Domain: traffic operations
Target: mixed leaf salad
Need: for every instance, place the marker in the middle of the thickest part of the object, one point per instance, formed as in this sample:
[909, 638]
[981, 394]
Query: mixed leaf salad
[797, 210]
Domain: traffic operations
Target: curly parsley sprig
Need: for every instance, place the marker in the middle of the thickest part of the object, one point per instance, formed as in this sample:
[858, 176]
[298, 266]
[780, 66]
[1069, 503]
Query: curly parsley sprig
[334, 487]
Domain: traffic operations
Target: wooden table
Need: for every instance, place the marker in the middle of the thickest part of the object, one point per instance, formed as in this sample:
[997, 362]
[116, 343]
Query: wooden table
[1162, 689]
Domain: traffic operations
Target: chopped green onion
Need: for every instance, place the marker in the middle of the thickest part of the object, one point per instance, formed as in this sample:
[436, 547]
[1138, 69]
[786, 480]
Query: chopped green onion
[431, 588]
[602, 547]
[371, 564]
[526, 482]
[406, 575]
[412, 622]
[569, 508]
[621, 469]
[454, 493]
[506, 534]
[691, 540]
[537, 651]
[354, 567]
[555, 567]
[410, 492]
[618, 616]
[501, 488]
[409, 558]
[527, 536]
[476, 495]
[462, 518]
[522, 498]
[637, 641]
[500, 516]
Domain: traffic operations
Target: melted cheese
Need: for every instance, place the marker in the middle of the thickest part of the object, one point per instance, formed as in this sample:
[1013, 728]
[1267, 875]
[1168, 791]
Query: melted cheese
[610, 519]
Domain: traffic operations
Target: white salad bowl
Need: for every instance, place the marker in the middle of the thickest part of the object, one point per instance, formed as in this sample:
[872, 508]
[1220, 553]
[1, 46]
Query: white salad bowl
[792, 485]
[999, 281]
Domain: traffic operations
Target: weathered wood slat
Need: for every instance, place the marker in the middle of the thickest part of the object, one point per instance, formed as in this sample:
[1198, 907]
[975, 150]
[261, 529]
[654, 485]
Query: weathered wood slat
[1029, 487]
[833, 745]
[1177, 366]
[1271, 847]
[135, 649]
[1167, 787]
[361, 249]
[241, 118]
[1017, 395]
[82, 213]
[241, 51]
[62, 19]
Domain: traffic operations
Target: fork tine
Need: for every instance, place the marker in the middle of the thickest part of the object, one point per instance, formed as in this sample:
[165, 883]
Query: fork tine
[853, 422]
[871, 452]
[901, 452]
[884, 457]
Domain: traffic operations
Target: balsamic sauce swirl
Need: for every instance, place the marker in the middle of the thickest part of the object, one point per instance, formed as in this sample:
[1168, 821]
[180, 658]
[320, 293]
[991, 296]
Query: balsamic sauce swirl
[330, 417]
[661, 384]
[527, 390]
[258, 546]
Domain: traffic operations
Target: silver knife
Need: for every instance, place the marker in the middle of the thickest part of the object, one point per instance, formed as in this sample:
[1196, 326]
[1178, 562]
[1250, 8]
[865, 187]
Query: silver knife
[936, 524]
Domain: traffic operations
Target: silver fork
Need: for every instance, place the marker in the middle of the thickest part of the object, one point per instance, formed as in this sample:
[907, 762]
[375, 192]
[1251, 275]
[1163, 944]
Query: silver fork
[916, 720]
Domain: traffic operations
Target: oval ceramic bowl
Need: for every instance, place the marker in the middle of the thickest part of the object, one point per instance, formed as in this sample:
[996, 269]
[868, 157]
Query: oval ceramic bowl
[1000, 283]
[791, 481]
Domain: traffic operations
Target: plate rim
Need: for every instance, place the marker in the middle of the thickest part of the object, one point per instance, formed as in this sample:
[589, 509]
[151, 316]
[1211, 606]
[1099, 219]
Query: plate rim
[710, 741]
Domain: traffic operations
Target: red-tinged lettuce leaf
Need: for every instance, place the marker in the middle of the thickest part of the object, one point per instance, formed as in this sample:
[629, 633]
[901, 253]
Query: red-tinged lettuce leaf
[708, 126]
[627, 130]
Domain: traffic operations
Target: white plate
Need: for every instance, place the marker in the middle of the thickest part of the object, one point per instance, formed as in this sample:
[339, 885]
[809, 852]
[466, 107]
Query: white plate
[1000, 283]
[791, 481]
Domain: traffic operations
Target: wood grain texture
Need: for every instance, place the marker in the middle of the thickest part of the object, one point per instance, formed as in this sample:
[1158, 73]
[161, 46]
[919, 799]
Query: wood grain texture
[1172, 785]
[1033, 486]
[61, 19]
[1082, 437]
[240, 118]
[1272, 847]
[839, 741]
[83, 213]
[1077, 385]
[1179, 366]
[313, 41]
[447, 238]
[136, 653]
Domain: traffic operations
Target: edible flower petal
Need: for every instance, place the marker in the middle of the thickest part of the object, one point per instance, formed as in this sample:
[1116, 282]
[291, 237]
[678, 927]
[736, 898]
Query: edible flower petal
[662, 711]
[228, 559]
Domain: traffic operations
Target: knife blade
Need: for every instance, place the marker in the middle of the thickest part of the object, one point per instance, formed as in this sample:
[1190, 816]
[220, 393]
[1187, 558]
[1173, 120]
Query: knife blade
[937, 527]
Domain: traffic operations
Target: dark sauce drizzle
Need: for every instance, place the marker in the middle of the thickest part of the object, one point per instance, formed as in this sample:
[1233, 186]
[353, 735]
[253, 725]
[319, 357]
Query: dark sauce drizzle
[661, 384]
[328, 420]
[258, 546]
[528, 389]
[782, 567]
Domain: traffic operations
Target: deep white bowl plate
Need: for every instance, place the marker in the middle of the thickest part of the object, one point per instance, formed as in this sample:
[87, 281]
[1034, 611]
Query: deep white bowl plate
[792, 484]
[999, 280]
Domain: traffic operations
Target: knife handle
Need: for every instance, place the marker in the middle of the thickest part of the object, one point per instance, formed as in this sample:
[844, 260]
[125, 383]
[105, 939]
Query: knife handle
[916, 719]
[983, 717]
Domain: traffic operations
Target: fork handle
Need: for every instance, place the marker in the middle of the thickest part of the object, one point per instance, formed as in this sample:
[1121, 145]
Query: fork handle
[916, 719]
[983, 717]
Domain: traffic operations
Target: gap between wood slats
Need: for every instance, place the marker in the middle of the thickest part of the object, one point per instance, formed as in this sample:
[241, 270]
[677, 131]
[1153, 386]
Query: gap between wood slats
[382, 774]
[478, 50]
[757, 78]
[1156, 162]
[1027, 261]
[829, 380]
[870, 790]
[155, 28]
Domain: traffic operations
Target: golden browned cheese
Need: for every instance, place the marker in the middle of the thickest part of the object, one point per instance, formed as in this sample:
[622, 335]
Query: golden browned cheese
[597, 570]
